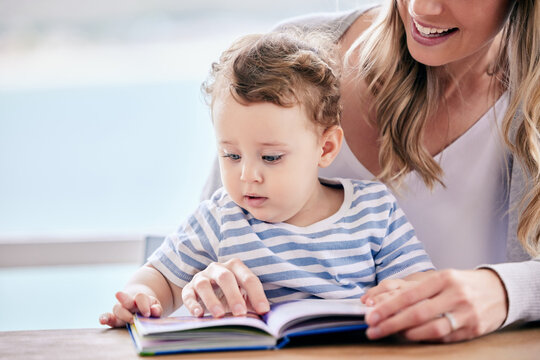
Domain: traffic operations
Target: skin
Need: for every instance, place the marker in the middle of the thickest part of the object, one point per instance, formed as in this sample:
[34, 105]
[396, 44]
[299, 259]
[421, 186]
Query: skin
[274, 153]
[266, 151]
[476, 298]
[148, 292]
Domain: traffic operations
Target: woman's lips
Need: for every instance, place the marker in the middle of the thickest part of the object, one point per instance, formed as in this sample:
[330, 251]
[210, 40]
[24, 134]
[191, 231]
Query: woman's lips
[254, 201]
[429, 36]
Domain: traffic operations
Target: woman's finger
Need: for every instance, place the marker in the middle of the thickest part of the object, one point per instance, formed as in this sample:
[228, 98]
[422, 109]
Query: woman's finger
[411, 316]
[379, 298]
[404, 298]
[248, 281]
[435, 329]
[383, 287]
[471, 303]
[459, 335]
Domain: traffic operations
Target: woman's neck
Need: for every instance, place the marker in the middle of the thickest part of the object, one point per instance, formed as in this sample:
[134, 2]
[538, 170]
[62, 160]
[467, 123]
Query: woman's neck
[473, 72]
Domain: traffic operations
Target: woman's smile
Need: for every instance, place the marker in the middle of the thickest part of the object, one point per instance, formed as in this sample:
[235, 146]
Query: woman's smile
[452, 31]
[429, 35]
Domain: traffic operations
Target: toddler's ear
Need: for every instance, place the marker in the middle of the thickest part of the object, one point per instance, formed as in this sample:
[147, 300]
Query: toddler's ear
[331, 140]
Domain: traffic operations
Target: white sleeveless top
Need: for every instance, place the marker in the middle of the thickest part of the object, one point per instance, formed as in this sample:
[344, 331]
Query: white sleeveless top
[465, 224]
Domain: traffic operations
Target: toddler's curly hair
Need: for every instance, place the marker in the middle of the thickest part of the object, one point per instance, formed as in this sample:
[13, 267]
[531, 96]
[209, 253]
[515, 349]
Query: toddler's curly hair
[284, 68]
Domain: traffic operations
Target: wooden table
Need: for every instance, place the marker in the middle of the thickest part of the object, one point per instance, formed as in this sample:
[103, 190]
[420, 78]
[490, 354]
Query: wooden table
[80, 344]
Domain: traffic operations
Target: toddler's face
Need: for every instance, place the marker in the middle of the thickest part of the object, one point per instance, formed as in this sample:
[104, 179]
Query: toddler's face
[268, 156]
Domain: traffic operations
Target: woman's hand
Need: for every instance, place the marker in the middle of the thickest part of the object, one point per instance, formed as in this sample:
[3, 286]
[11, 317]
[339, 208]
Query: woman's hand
[231, 281]
[447, 306]
[128, 305]
[388, 287]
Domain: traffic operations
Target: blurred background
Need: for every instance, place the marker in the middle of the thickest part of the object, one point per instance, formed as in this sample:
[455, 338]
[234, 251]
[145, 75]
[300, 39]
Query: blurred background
[104, 139]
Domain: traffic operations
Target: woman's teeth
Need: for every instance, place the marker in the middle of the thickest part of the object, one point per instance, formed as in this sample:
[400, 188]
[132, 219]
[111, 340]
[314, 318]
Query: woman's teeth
[429, 31]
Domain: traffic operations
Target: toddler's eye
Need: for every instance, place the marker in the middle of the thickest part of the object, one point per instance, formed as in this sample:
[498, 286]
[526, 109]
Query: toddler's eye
[232, 156]
[271, 158]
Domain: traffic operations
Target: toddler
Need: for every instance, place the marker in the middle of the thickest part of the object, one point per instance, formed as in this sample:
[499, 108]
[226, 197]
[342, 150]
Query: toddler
[275, 109]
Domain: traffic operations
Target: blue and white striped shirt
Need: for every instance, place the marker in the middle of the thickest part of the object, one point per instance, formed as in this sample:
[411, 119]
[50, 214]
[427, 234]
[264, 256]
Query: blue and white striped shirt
[369, 239]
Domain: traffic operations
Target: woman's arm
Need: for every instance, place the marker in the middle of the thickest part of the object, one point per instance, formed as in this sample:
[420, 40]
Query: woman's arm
[522, 284]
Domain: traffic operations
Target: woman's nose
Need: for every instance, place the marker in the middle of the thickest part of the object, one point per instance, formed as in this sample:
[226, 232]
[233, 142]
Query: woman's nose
[425, 7]
[250, 173]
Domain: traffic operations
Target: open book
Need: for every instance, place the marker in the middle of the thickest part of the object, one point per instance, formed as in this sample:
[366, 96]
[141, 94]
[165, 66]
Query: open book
[274, 330]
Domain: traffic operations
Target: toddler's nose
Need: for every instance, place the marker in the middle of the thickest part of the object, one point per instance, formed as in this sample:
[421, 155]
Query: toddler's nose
[250, 173]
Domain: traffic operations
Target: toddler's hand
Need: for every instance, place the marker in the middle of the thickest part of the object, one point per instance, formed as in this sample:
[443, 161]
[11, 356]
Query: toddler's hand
[128, 305]
[232, 281]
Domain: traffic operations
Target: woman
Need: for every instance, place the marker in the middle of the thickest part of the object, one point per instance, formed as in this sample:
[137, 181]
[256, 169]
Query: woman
[427, 84]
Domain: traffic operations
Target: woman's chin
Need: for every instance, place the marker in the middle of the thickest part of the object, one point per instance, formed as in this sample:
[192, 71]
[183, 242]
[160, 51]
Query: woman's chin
[428, 59]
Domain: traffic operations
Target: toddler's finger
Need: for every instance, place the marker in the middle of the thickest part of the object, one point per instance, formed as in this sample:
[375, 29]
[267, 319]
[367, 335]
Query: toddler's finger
[142, 303]
[122, 313]
[205, 291]
[111, 320]
[156, 310]
[189, 299]
[257, 297]
[126, 300]
[252, 286]
[106, 319]
[233, 296]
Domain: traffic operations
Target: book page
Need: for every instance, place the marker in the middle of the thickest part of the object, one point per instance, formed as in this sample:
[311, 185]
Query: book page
[147, 326]
[283, 315]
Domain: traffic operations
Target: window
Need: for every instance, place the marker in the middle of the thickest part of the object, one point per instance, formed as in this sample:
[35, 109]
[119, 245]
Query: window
[104, 136]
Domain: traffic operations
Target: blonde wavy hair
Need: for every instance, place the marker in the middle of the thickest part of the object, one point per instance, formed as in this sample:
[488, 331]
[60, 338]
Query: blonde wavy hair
[407, 92]
[283, 68]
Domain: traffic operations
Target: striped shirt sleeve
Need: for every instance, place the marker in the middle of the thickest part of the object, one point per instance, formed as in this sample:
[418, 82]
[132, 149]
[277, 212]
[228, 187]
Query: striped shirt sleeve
[400, 252]
[192, 248]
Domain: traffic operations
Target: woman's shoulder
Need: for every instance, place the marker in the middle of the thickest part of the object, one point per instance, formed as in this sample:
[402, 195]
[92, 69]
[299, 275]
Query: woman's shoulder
[334, 23]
